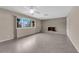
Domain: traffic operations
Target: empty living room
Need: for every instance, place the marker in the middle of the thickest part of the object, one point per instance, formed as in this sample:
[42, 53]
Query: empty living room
[39, 29]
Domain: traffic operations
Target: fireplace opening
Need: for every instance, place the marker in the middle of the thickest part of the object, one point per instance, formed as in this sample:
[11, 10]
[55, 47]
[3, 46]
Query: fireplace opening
[52, 29]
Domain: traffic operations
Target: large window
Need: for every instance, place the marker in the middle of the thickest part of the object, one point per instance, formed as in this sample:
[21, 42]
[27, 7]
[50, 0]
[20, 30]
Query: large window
[25, 22]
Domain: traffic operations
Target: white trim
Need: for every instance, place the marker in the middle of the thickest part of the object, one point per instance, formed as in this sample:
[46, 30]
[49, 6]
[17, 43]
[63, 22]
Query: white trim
[5, 40]
[72, 43]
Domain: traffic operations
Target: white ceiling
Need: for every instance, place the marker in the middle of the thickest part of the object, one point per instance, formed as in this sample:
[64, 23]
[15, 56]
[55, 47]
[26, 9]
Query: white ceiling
[41, 12]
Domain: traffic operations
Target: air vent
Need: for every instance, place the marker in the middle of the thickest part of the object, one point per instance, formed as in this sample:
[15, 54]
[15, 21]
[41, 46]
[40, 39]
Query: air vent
[45, 14]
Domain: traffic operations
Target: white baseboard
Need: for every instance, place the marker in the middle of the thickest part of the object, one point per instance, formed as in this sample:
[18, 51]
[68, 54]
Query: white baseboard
[5, 40]
[73, 43]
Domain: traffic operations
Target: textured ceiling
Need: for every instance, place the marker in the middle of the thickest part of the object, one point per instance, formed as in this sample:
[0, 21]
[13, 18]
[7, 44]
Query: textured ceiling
[41, 12]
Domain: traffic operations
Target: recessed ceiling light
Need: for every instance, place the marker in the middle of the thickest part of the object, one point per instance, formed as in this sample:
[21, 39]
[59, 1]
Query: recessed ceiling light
[31, 11]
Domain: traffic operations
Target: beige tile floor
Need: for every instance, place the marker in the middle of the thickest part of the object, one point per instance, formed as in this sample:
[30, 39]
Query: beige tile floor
[39, 43]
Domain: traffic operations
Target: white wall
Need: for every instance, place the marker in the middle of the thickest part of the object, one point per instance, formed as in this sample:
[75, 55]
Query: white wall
[73, 27]
[59, 23]
[7, 26]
